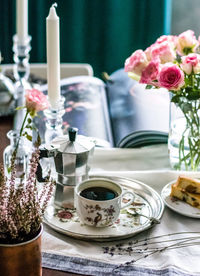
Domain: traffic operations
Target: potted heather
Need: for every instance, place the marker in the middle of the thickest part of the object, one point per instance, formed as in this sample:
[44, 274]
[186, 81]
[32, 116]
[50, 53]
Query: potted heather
[22, 205]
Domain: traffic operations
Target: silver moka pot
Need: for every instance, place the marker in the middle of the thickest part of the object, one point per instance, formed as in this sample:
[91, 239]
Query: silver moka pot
[71, 154]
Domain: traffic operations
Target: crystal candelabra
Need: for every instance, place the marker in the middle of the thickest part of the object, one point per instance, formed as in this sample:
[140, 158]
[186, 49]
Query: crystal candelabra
[21, 72]
[54, 120]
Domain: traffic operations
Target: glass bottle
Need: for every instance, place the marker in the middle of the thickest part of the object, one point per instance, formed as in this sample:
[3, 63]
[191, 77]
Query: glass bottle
[22, 156]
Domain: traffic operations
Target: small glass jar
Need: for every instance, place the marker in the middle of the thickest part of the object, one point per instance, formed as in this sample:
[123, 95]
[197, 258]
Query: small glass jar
[22, 156]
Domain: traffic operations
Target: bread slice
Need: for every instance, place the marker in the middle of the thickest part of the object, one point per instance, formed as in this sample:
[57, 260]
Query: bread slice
[188, 184]
[190, 198]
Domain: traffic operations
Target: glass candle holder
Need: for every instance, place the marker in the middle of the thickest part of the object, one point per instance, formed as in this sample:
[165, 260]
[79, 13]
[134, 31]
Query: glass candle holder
[21, 56]
[53, 128]
[21, 72]
[54, 120]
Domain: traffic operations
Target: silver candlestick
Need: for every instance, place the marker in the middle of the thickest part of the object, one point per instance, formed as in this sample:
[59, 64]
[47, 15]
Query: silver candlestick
[21, 72]
[54, 120]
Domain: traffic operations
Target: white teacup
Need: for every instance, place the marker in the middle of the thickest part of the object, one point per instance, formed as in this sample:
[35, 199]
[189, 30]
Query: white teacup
[98, 201]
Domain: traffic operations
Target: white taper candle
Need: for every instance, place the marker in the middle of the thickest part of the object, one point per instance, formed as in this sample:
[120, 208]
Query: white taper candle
[22, 20]
[53, 56]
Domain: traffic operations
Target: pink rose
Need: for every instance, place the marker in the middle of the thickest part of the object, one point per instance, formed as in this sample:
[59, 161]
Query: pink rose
[36, 100]
[162, 39]
[171, 77]
[164, 45]
[186, 43]
[172, 39]
[150, 73]
[191, 63]
[164, 51]
[148, 52]
[136, 62]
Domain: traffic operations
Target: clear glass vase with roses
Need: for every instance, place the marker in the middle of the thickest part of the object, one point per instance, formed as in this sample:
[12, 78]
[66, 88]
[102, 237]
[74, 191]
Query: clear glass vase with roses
[18, 150]
[173, 62]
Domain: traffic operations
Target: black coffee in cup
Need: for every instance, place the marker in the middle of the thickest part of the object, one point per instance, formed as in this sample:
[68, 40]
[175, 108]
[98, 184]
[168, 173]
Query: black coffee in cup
[98, 193]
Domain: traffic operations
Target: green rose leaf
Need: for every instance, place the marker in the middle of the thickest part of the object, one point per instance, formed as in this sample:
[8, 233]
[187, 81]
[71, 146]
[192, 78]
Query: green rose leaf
[178, 58]
[19, 108]
[193, 95]
[175, 99]
[29, 126]
[33, 113]
[28, 137]
[187, 50]
[148, 86]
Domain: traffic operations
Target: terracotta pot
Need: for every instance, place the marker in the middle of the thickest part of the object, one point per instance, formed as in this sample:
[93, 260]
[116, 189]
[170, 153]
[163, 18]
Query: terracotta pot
[22, 259]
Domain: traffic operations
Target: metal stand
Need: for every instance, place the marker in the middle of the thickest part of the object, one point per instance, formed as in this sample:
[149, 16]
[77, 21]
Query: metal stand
[21, 73]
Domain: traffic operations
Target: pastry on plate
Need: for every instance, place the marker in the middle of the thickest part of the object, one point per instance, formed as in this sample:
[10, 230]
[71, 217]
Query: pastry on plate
[188, 184]
[190, 198]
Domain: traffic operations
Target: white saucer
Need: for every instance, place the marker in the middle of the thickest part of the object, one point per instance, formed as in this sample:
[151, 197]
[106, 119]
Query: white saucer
[178, 206]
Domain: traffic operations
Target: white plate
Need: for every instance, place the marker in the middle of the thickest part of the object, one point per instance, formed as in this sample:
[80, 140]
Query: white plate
[178, 206]
[151, 205]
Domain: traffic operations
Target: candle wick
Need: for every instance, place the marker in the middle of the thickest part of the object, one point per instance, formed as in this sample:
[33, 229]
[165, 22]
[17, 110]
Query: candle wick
[55, 5]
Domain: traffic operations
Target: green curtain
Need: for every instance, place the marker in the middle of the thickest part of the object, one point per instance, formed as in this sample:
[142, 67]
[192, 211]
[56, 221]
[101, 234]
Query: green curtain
[102, 33]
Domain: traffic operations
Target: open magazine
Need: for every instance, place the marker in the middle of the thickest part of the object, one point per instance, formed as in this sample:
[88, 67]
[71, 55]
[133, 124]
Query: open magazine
[119, 113]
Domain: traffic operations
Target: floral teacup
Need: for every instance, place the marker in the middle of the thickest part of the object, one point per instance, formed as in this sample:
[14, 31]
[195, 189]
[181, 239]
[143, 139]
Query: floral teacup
[98, 201]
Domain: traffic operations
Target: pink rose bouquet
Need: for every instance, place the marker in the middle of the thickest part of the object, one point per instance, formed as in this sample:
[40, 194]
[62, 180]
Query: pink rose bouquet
[173, 62]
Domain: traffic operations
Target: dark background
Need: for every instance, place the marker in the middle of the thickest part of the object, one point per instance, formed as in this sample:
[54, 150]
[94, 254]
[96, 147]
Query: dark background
[102, 33]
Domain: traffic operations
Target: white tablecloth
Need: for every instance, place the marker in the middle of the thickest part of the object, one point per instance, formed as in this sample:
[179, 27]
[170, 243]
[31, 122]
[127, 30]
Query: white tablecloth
[149, 165]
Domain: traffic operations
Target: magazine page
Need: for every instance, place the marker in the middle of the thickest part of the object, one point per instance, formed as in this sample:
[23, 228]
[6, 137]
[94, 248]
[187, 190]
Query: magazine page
[136, 110]
[85, 108]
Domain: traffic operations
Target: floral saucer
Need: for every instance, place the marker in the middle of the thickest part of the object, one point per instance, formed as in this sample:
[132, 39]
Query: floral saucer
[145, 212]
[177, 205]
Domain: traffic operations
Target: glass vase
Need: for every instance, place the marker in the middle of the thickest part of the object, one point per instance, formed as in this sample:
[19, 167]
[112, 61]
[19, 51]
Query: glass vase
[22, 156]
[184, 134]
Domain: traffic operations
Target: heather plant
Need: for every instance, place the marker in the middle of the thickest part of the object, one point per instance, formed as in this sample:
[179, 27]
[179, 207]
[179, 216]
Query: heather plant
[21, 204]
